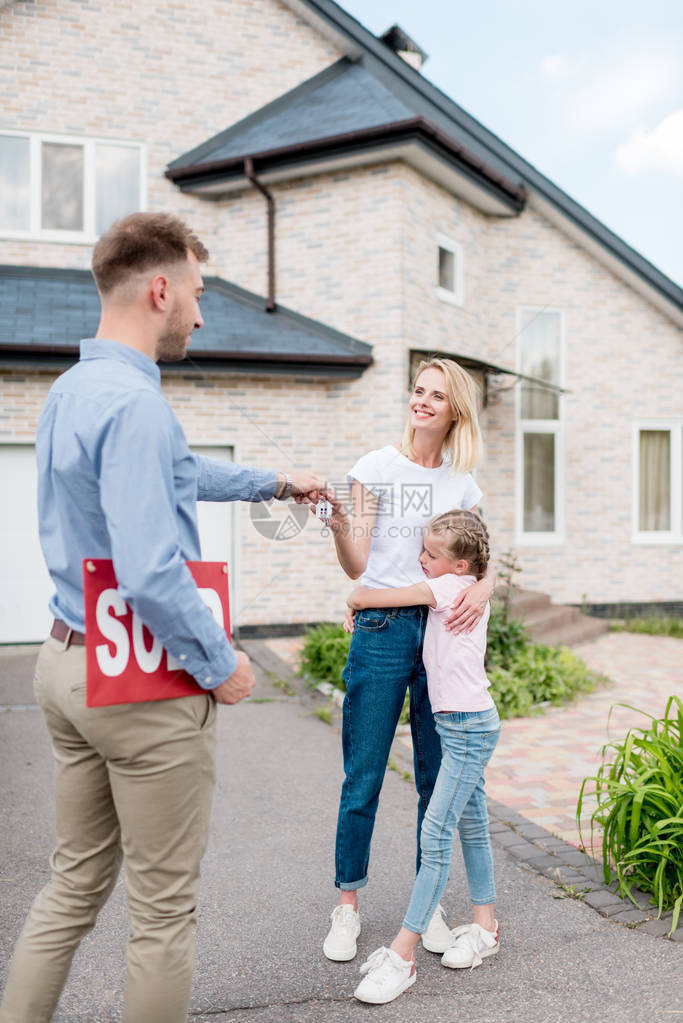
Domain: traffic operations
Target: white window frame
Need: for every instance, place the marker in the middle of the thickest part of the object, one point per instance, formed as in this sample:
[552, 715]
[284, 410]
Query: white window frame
[88, 235]
[557, 536]
[675, 534]
[456, 297]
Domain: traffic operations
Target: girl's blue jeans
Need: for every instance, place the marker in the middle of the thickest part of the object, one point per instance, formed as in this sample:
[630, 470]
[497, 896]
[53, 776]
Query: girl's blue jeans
[468, 738]
[385, 657]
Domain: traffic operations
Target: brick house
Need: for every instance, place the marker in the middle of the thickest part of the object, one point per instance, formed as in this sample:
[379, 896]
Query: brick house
[399, 226]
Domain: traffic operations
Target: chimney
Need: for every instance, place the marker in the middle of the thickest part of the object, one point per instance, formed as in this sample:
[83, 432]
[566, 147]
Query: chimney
[401, 43]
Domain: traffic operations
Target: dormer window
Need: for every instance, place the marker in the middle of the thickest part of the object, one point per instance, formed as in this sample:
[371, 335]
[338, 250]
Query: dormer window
[61, 188]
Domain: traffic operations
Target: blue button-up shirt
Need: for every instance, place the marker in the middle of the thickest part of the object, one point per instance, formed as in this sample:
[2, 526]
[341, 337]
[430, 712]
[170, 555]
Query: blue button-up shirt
[116, 479]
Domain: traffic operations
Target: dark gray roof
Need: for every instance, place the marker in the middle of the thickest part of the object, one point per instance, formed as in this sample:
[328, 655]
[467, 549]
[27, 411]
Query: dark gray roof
[342, 109]
[343, 98]
[382, 84]
[45, 312]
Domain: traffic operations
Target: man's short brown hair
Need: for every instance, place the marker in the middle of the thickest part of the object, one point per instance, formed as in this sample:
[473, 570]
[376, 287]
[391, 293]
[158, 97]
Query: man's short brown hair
[142, 241]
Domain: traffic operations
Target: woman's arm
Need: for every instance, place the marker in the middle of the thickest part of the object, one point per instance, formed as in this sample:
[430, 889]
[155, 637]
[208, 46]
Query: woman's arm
[352, 537]
[469, 606]
[400, 596]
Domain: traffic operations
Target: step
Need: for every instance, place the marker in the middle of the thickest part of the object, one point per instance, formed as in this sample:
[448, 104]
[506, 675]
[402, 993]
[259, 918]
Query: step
[552, 616]
[524, 601]
[581, 630]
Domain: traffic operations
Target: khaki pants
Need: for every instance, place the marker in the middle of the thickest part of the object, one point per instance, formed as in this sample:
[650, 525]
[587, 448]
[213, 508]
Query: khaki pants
[133, 779]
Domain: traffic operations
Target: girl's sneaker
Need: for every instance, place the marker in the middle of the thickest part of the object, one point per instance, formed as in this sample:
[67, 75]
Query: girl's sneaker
[340, 943]
[471, 945]
[387, 975]
[438, 937]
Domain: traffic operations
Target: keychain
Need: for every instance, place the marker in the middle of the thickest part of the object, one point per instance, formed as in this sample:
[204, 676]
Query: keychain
[323, 511]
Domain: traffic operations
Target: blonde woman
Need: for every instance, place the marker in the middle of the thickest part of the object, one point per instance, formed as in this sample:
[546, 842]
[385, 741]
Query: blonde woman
[396, 491]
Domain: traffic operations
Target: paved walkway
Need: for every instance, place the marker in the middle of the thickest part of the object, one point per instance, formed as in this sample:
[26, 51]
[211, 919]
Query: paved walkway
[541, 761]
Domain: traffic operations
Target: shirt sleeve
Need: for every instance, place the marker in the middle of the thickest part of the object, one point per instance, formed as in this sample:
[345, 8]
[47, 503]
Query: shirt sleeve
[445, 589]
[368, 472]
[228, 481]
[133, 461]
[471, 495]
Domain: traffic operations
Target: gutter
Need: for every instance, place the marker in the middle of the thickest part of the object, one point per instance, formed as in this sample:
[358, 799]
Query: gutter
[270, 205]
[515, 194]
[226, 359]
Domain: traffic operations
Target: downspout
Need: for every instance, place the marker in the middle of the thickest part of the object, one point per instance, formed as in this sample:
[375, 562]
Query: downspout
[249, 171]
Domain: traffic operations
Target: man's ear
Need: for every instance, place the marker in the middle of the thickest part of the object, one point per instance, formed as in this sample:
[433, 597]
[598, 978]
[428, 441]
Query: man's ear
[158, 293]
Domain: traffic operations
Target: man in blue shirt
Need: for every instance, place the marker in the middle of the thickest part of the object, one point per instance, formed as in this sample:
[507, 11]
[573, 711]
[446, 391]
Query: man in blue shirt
[116, 479]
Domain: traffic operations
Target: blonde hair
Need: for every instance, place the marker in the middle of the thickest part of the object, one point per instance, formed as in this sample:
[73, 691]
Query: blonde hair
[462, 444]
[468, 538]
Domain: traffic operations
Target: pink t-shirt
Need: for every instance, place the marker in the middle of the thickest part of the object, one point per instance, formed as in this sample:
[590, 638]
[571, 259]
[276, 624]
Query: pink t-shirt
[454, 663]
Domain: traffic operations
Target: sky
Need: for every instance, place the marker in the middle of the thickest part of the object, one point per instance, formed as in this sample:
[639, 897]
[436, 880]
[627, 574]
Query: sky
[590, 93]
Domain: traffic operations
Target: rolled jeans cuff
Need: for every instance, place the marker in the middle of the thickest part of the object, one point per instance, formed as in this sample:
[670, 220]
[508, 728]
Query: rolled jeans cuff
[351, 886]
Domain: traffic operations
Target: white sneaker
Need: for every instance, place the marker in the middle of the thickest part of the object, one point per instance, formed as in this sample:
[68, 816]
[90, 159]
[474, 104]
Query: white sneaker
[387, 975]
[471, 945]
[340, 943]
[438, 937]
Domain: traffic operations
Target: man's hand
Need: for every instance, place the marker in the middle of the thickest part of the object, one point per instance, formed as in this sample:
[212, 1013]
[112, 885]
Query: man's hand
[307, 487]
[240, 683]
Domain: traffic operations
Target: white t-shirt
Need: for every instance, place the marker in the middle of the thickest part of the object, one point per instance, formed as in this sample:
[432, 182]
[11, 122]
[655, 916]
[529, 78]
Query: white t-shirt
[456, 678]
[408, 497]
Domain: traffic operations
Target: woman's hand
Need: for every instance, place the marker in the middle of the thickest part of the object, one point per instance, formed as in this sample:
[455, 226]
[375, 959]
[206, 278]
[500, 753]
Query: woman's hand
[348, 621]
[339, 520]
[469, 606]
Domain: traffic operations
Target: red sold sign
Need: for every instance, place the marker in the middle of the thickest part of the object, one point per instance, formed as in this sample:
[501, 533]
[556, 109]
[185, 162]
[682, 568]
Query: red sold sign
[124, 662]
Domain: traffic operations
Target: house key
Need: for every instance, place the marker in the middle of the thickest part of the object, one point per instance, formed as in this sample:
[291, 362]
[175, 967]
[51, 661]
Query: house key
[323, 511]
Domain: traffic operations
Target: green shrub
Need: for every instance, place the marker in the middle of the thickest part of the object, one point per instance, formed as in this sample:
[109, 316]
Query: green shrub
[653, 626]
[639, 792]
[539, 674]
[324, 655]
[506, 638]
[522, 674]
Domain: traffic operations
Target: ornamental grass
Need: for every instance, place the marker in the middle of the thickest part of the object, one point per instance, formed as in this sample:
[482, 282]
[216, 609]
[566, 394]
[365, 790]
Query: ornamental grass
[639, 792]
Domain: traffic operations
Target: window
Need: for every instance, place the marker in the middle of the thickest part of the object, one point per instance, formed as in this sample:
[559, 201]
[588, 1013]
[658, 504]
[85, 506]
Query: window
[540, 467]
[449, 271]
[67, 189]
[658, 481]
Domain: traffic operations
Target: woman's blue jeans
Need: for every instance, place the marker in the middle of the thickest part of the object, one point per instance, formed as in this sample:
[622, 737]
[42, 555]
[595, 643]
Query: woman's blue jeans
[468, 738]
[385, 657]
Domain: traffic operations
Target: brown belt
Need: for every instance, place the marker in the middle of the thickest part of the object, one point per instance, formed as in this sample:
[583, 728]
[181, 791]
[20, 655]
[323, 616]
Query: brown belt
[61, 631]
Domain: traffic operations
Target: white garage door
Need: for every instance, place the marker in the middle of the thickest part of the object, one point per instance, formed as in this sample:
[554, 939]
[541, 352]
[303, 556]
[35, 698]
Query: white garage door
[26, 587]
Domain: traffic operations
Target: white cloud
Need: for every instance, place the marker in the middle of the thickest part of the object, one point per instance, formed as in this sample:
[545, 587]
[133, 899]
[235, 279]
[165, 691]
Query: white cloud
[660, 149]
[612, 98]
[608, 92]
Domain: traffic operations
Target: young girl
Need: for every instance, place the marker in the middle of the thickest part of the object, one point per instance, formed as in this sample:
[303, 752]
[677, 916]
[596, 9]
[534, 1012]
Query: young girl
[455, 549]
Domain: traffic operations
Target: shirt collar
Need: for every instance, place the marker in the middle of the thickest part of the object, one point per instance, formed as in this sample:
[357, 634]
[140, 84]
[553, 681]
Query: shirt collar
[101, 348]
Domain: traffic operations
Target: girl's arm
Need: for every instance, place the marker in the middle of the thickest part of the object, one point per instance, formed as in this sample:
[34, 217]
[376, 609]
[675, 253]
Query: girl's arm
[352, 537]
[401, 596]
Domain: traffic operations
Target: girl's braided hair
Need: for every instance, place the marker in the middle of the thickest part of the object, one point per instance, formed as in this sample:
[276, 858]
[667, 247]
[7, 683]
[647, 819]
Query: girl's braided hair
[467, 538]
